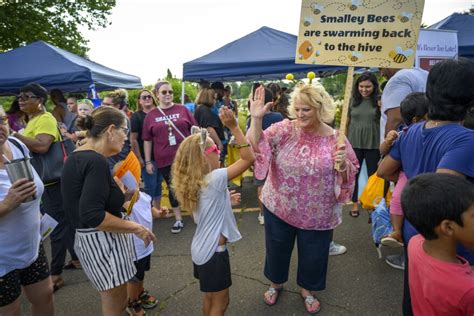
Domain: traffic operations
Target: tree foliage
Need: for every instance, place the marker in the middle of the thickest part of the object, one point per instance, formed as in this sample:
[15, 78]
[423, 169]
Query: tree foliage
[56, 22]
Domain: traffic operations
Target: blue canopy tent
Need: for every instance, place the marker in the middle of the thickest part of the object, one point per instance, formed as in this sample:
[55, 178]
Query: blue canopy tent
[266, 54]
[464, 24]
[53, 67]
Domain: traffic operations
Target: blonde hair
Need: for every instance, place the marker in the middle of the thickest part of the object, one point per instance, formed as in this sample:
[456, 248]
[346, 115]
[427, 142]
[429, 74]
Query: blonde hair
[316, 97]
[188, 171]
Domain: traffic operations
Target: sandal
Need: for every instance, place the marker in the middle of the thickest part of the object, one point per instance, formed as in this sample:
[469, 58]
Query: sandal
[57, 284]
[354, 213]
[274, 294]
[311, 304]
[73, 265]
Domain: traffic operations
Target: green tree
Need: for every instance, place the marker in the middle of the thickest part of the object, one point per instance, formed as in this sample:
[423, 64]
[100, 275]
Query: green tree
[56, 22]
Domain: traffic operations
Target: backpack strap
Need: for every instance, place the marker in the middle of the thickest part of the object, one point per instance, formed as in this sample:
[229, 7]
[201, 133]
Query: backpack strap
[17, 145]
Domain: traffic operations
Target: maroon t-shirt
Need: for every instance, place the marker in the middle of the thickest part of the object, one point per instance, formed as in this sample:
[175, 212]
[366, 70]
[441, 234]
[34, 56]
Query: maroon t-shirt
[155, 128]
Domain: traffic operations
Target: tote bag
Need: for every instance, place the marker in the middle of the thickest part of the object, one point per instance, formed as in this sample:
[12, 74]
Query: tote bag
[50, 164]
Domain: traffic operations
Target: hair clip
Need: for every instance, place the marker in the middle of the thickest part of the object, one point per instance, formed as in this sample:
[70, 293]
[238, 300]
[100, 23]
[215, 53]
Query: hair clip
[203, 134]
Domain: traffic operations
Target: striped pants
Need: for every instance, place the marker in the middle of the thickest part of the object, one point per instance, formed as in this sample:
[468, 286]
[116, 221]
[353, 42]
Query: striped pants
[107, 258]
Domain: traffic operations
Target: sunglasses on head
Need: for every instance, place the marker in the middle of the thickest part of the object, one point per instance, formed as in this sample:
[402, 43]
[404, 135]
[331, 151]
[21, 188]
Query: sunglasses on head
[165, 92]
[145, 97]
[212, 149]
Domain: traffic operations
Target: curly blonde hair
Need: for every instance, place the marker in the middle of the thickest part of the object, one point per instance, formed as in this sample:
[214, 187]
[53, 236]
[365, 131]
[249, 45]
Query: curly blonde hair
[316, 97]
[188, 171]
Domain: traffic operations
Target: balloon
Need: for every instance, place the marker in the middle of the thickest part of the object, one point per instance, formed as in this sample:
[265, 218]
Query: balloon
[290, 77]
[311, 75]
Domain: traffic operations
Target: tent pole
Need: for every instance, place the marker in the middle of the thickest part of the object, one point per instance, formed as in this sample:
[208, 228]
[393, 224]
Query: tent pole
[182, 92]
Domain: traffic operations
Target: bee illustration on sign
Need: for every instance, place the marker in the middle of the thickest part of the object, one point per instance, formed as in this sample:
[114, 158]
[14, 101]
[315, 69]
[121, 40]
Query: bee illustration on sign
[305, 50]
[317, 8]
[355, 56]
[399, 55]
[355, 4]
[307, 21]
[405, 17]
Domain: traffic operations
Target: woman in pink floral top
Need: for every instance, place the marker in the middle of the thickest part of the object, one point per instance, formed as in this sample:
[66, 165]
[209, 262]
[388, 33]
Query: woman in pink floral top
[303, 194]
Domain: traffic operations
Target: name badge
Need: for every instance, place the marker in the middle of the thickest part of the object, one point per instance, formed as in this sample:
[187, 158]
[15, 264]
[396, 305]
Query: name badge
[172, 140]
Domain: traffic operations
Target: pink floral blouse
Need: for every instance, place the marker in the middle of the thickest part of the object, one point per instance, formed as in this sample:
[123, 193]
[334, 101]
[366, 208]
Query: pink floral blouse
[302, 187]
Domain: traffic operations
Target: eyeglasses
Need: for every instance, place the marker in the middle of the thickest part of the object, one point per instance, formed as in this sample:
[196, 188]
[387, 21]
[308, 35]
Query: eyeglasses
[3, 120]
[213, 149]
[165, 92]
[125, 130]
[145, 97]
[107, 104]
[26, 97]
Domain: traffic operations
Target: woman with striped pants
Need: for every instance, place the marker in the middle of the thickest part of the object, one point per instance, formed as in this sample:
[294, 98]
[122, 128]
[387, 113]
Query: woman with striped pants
[94, 202]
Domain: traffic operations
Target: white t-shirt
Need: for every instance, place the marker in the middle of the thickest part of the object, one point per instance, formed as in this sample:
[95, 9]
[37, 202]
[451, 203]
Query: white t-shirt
[403, 83]
[141, 214]
[19, 229]
[213, 217]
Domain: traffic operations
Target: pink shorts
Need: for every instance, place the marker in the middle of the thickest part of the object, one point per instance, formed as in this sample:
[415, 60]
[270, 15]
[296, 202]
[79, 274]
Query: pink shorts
[396, 200]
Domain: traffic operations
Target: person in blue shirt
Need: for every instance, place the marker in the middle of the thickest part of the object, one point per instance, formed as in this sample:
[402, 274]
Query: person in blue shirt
[188, 104]
[441, 144]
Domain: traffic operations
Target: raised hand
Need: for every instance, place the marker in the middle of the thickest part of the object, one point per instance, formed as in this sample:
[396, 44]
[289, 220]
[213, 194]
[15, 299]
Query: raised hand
[227, 117]
[257, 105]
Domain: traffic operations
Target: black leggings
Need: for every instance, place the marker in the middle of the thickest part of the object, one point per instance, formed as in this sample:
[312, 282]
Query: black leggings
[372, 157]
[166, 173]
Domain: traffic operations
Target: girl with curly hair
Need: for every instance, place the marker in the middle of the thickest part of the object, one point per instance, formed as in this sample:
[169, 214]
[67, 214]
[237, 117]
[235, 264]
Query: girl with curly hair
[200, 186]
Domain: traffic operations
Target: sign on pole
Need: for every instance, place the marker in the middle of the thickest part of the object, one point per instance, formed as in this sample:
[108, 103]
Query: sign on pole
[435, 46]
[365, 33]
[358, 33]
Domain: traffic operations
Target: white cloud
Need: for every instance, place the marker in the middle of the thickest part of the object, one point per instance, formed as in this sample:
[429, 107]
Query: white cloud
[146, 37]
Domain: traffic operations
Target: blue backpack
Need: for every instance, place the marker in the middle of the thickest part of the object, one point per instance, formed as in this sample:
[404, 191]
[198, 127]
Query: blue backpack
[381, 225]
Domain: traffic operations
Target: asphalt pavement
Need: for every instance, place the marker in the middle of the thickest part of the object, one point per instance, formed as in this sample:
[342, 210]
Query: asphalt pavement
[358, 282]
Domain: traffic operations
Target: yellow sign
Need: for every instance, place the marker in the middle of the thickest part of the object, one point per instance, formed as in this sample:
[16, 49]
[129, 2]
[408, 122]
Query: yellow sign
[360, 33]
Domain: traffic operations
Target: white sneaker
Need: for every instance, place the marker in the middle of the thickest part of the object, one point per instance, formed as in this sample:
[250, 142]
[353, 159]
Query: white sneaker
[177, 227]
[336, 249]
[260, 218]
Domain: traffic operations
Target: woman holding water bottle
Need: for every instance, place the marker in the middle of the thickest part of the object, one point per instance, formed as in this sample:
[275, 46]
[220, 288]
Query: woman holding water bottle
[23, 263]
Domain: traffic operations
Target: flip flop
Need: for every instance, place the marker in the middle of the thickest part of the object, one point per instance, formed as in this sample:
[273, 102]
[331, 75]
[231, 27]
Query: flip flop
[309, 302]
[58, 284]
[354, 213]
[72, 266]
[274, 294]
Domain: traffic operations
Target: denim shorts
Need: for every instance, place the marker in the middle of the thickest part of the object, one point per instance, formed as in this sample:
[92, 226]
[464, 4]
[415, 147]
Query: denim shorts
[152, 182]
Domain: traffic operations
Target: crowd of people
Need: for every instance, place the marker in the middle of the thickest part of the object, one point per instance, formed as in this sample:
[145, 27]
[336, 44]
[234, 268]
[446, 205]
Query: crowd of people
[410, 133]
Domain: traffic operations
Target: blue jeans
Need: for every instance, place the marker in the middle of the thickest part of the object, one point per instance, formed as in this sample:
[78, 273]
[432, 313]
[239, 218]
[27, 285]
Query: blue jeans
[152, 182]
[313, 253]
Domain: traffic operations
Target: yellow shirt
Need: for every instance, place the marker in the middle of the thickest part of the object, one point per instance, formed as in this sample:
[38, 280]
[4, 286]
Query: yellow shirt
[42, 124]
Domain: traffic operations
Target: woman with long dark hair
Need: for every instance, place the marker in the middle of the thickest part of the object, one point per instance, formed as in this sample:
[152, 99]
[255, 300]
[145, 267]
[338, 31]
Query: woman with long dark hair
[363, 127]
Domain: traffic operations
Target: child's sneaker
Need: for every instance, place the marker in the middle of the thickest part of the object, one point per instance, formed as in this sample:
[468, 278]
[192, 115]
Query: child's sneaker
[177, 227]
[394, 239]
[147, 300]
[134, 308]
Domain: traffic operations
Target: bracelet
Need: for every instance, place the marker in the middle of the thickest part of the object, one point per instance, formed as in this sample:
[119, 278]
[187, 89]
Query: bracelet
[147, 162]
[242, 145]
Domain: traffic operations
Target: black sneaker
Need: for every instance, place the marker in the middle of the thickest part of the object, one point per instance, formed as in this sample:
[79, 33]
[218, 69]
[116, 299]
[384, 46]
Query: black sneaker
[177, 227]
